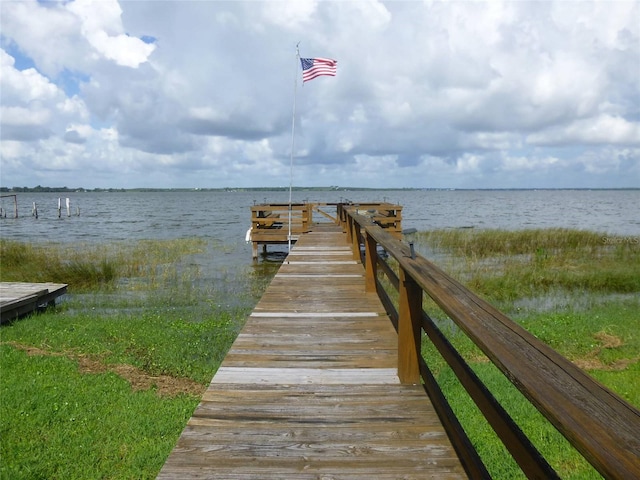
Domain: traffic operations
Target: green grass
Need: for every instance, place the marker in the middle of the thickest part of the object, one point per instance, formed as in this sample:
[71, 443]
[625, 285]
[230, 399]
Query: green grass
[58, 423]
[603, 339]
[102, 385]
[600, 334]
[159, 342]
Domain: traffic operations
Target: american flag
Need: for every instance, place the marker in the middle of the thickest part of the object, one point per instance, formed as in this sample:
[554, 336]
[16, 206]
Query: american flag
[315, 67]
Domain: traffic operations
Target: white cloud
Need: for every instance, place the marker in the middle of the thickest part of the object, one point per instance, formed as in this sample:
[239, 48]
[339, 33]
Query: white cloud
[102, 27]
[612, 160]
[468, 163]
[602, 129]
[23, 117]
[286, 14]
[47, 33]
[33, 107]
[447, 94]
[23, 86]
[512, 164]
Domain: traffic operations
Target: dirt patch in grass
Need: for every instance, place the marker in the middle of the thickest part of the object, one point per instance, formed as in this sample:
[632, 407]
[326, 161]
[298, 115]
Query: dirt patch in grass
[597, 364]
[591, 360]
[479, 358]
[164, 385]
[607, 341]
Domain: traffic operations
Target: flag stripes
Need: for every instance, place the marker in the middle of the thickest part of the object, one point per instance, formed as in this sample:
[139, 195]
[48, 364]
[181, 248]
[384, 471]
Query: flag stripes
[315, 67]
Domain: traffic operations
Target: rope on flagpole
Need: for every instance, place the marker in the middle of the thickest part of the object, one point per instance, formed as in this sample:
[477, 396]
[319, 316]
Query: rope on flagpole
[293, 130]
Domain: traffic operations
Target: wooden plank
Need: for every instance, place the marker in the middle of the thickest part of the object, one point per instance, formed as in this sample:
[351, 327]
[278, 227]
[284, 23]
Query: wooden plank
[20, 298]
[321, 248]
[371, 431]
[306, 376]
[314, 314]
[336, 253]
[321, 262]
[319, 275]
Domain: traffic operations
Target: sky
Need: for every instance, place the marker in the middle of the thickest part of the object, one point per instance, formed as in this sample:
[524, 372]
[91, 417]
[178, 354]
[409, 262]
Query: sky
[428, 94]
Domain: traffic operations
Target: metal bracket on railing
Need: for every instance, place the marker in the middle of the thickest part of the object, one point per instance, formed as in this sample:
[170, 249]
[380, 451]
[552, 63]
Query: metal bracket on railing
[409, 233]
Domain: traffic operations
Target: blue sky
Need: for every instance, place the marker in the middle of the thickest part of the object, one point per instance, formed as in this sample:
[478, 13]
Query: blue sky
[428, 94]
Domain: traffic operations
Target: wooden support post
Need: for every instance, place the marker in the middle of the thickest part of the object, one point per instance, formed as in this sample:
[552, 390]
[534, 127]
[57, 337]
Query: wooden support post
[371, 263]
[307, 217]
[349, 228]
[355, 240]
[410, 316]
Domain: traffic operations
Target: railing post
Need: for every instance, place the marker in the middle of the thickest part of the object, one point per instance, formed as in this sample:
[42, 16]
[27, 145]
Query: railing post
[409, 321]
[371, 263]
[355, 239]
[349, 228]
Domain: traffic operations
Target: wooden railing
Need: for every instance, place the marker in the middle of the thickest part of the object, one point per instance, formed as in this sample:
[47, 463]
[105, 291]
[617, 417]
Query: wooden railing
[273, 219]
[598, 423]
[279, 223]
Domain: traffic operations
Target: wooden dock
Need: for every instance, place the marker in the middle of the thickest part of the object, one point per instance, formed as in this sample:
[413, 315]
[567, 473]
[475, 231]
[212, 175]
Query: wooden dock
[310, 390]
[282, 223]
[18, 298]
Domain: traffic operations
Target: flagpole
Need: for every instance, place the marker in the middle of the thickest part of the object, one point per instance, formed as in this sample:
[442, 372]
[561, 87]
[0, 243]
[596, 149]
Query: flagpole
[293, 131]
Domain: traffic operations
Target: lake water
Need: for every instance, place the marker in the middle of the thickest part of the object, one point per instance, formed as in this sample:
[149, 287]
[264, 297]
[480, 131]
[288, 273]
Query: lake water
[145, 215]
[222, 219]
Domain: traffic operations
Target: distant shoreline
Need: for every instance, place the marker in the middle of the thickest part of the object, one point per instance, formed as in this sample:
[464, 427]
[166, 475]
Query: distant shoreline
[39, 189]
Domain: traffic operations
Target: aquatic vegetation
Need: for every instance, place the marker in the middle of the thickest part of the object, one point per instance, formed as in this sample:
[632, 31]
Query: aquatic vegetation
[84, 267]
[507, 265]
[488, 243]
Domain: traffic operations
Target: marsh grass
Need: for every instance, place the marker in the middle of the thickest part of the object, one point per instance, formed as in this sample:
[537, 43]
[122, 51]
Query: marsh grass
[488, 243]
[87, 267]
[23, 262]
[504, 266]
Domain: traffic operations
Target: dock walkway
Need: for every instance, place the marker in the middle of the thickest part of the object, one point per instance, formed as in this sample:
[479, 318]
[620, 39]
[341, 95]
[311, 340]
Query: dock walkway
[19, 298]
[310, 390]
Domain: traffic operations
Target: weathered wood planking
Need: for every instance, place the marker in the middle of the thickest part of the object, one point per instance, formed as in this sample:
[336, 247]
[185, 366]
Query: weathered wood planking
[19, 298]
[310, 390]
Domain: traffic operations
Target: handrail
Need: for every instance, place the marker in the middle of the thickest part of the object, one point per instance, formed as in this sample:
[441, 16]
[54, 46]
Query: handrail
[598, 423]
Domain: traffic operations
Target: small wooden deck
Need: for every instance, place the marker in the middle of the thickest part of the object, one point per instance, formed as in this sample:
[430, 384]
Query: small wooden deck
[17, 298]
[310, 390]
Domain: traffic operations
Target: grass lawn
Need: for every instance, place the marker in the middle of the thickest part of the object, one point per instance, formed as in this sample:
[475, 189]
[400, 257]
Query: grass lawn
[102, 386]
